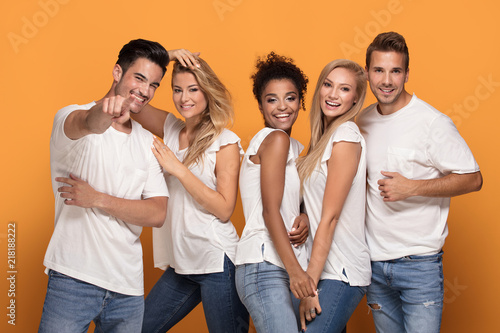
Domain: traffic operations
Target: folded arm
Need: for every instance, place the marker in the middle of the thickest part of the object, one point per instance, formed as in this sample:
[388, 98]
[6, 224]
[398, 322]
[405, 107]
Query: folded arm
[149, 212]
[397, 187]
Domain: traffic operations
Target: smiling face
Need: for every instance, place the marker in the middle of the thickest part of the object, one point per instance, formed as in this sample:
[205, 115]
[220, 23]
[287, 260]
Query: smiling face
[188, 98]
[387, 76]
[280, 104]
[139, 83]
[338, 93]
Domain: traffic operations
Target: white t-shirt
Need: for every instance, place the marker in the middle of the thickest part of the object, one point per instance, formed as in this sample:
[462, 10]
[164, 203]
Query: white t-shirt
[349, 251]
[255, 235]
[193, 240]
[419, 142]
[89, 244]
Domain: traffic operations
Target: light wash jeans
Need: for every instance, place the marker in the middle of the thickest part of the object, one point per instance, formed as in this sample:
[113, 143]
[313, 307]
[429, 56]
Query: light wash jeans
[175, 295]
[406, 294]
[264, 289]
[338, 300]
[70, 305]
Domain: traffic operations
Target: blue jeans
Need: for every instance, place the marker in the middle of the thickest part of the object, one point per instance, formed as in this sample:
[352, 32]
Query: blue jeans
[175, 295]
[264, 288]
[406, 294]
[338, 300]
[70, 305]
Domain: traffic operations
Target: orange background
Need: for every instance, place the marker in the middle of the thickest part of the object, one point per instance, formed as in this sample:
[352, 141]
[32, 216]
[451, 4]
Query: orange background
[60, 52]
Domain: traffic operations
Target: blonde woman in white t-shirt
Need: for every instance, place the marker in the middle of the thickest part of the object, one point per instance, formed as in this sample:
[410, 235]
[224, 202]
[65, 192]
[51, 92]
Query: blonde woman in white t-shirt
[197, 243]
[333, 175]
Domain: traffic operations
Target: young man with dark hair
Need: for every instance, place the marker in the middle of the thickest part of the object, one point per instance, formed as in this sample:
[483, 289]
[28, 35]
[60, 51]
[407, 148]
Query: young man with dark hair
[107, 185]
[416, 161]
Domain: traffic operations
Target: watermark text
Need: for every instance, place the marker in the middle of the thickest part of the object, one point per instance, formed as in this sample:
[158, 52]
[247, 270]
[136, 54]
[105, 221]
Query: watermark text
[11, 272]
[31, 24]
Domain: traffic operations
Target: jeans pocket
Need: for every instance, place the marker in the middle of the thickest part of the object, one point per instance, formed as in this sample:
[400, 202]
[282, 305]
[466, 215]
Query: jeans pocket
[53, 273]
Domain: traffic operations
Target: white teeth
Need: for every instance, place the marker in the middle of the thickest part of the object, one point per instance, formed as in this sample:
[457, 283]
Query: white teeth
[283, 115]
[139, 99]
[386, 90]
[332, 103]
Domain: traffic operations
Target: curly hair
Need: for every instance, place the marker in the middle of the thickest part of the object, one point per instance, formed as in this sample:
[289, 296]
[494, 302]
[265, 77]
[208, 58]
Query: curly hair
[276, 67]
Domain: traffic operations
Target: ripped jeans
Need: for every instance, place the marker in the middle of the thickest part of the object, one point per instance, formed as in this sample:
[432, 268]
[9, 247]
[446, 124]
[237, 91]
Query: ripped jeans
[406, 294]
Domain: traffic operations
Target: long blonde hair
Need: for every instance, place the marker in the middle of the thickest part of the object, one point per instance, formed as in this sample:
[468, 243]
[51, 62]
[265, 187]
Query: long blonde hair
[218, 115]
[320, 132]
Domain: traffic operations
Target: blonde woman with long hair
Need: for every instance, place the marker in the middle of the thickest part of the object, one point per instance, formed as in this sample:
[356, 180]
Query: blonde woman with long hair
[197, 243]
[333, 176]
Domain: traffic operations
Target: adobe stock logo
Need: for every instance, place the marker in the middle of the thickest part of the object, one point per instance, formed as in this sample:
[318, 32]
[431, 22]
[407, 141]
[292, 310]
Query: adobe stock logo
[364, 35]
[452, 290]
[32, 24]
[223, 6]
[485, 88]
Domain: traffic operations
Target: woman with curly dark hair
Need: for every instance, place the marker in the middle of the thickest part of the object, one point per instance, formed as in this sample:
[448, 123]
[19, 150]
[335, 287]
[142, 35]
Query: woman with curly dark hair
[271, 255]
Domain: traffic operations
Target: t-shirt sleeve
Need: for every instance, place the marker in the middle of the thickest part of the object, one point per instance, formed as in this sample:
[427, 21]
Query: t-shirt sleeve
[294, 151]
[254, 146]
[447, 150]
[170, 123]
[225, 138]
[59, 139]
[155, 183]
[347, 132]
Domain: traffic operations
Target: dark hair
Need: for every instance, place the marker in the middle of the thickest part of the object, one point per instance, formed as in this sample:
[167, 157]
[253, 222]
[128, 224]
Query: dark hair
[141, 48]
[276, 67]
[387, 42]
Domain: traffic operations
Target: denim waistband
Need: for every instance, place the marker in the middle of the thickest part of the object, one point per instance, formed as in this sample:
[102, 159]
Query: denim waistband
[418, 257]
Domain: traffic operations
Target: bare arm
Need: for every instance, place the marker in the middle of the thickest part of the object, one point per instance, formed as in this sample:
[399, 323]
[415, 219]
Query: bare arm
[273, 154]
[149, 212]
[97, 119]
[152, 119]
[396, 187]
[221, 202]
[342, 168]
